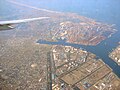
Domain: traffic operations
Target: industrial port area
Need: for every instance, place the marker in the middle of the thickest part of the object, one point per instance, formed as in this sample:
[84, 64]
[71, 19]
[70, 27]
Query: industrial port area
[61, 68]
[76, 69]
[69, 27]
[26, 64]
[83, 31]
[115, 55]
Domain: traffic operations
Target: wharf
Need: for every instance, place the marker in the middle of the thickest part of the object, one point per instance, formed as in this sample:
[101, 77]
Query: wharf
[115, 55]
[75, 68]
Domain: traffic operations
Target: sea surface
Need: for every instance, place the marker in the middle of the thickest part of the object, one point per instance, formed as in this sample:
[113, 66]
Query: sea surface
[105, 11]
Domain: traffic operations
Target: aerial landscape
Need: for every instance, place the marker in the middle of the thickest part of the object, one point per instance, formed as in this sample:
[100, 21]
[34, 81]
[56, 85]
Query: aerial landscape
[59, 45]
[81, 70]
[115, 55]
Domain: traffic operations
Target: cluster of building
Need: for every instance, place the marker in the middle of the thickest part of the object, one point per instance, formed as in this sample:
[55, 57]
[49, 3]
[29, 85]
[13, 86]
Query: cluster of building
[22, 64]
[67, 58]
[76, 69]
[83, 32]
[115, 55]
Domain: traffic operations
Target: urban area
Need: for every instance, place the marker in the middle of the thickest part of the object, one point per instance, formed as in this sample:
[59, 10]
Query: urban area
[28, 65]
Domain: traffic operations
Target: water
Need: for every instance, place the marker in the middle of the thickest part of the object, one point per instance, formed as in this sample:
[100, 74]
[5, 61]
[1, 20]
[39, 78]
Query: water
[106, 11]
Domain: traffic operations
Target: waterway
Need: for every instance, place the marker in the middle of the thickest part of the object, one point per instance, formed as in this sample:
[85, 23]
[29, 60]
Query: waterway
[106, 11]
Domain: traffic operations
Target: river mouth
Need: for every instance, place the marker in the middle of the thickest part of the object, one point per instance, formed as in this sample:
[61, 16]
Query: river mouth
[100, 53]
